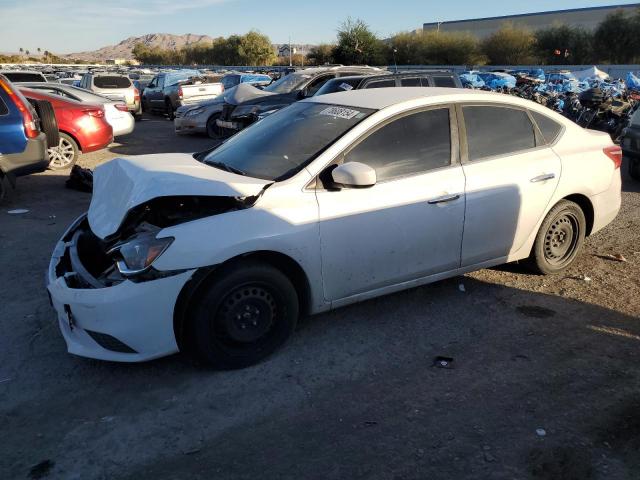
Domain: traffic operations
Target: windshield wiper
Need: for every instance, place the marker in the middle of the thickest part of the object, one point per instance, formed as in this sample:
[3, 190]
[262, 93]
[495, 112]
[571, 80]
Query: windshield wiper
[227, 168]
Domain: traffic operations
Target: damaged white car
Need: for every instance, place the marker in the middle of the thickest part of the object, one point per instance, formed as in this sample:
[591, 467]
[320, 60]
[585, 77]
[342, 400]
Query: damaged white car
[330, 201]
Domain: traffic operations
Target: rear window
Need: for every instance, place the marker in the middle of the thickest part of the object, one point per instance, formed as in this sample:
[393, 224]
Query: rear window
[25, 77]
[447, 82]
[111, 82]
[411, 82]
[3, 108]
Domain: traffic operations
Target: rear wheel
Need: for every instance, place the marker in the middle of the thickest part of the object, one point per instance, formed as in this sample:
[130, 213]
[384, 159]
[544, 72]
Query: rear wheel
[244, 315]
[169, 110]
[559, 240]
[65, 155]
[634, 168]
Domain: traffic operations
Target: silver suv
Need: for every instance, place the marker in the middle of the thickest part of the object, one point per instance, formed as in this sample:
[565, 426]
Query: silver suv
[116, 87]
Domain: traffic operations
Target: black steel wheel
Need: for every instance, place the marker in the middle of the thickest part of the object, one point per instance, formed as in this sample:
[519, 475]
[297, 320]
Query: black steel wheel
[243, 315]
[213, 130]
[559, 239]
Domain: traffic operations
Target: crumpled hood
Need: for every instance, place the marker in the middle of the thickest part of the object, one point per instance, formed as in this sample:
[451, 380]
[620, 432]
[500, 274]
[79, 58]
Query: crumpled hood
[243, 93]
[124, 183]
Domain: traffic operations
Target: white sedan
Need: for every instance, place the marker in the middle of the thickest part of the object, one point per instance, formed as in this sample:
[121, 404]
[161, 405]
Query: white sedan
[330, 201]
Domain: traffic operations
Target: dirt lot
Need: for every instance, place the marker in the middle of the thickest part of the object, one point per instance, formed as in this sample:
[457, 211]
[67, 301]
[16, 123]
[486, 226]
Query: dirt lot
[544, 383]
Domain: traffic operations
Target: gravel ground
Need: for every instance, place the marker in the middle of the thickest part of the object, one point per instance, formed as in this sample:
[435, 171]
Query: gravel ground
[543, 384]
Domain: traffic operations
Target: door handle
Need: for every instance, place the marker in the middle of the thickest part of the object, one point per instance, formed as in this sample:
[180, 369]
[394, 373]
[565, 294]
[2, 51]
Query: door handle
[444, 199]
[543, 178]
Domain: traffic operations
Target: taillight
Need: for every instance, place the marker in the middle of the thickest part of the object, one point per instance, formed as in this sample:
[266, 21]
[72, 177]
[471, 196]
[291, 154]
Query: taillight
[98, 113]
[122, 107]
[30, 127]
[614, 152]
[136, 95]
[180, 93]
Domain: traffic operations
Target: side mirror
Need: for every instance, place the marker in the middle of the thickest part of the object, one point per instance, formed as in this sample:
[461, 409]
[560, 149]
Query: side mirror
[354, 175]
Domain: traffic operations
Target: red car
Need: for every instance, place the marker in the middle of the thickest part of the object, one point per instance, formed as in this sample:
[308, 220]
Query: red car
[83, 128]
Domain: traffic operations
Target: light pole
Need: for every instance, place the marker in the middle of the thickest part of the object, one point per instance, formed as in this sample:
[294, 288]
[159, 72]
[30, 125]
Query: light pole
[290, 53]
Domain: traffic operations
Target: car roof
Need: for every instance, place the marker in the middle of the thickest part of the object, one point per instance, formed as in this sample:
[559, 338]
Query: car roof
[379, 98]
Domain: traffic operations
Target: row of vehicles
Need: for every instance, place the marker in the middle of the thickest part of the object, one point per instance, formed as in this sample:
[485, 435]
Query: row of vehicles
[74, 120]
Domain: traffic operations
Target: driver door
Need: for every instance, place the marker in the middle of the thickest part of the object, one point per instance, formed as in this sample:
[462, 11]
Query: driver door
[409, 224]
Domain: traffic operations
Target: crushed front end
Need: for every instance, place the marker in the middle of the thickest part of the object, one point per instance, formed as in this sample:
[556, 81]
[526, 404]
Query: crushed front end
[102, 312]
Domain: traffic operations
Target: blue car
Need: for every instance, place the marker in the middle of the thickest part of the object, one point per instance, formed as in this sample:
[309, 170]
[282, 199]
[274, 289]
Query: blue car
[23, 145]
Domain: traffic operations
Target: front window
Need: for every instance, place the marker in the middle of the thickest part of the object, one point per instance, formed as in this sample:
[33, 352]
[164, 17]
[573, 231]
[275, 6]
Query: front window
[280, 145]
[293, 81]
[339, 85]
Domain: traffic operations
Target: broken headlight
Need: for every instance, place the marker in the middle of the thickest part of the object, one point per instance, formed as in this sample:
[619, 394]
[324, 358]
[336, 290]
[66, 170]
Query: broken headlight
[140, 252]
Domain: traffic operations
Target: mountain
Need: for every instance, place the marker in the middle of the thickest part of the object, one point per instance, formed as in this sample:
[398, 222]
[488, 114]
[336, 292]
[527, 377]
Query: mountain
[124, 48]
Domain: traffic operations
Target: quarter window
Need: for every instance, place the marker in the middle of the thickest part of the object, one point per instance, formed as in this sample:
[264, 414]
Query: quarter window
[497, 131]
[549, 128]
[409, 145]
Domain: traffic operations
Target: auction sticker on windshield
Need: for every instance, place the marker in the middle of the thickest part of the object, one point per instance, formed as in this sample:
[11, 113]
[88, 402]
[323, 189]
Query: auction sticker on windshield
[340, 112]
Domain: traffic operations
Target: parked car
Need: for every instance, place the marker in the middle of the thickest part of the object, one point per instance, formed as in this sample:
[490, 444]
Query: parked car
[631, 145]
[116, 112]
[115, 87]
[21, 76]
[305, 211]
[244, 104]
[435, 78]
[23, 144]
[83, 128]
[170, 90]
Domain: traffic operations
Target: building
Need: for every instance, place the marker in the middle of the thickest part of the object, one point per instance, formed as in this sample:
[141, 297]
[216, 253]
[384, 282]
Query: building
[588, 18]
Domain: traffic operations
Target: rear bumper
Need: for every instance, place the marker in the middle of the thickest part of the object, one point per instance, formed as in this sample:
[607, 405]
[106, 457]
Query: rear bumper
[123, 125]
[606, 205]
[127, 322]
[97, 140]
[33, 159]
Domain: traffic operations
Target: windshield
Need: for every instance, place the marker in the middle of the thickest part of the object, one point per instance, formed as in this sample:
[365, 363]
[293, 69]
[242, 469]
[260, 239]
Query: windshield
[280, 145]
[291, 82]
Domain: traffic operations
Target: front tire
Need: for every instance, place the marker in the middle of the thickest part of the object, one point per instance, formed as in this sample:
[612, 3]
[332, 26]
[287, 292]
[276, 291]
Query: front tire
[169, 110]
[213, 130]
[244, 314]
[559, 239]
[65, 155]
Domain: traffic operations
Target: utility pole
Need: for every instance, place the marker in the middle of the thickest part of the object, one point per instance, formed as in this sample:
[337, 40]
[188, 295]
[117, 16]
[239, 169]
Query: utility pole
[290, 53]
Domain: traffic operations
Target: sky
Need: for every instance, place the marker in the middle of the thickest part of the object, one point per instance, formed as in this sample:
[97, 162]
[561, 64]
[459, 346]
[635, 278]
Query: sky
[66, 26]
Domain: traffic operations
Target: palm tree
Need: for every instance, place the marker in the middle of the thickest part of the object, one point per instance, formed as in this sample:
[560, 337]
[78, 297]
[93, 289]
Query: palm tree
[21, 50]
[26, 53]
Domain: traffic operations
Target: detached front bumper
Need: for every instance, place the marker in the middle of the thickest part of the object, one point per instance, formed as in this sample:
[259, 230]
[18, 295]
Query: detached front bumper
[126, 322]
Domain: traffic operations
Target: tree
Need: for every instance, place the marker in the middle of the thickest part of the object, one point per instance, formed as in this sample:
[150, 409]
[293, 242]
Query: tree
[434, 48]
[358, 45]
[616, 38]
[321, 54]
[26, 53]
[510, 45]
[256, 49]
[564, 44]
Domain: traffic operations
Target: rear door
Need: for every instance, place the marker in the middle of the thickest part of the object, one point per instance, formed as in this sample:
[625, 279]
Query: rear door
[511, 174]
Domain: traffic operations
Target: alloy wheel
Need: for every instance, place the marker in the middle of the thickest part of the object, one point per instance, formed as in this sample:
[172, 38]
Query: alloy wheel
[63, 155]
